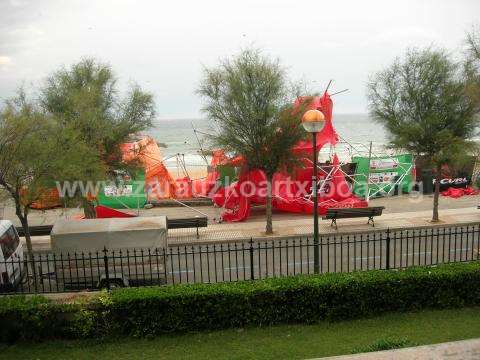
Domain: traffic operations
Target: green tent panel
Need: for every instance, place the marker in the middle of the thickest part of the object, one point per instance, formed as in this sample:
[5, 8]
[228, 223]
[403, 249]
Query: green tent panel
[128, 194]
[383, 173]
[227, 174]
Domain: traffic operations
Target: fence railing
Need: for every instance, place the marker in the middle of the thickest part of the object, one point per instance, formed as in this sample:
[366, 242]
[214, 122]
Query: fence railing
[220, 262]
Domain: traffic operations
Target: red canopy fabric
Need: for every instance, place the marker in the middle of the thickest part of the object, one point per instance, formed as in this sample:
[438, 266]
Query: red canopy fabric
[328, 135]
[237, 206]
[290, 193]
[250, 190]
[159, 184]
[459, 192]
[106, 212]
[202, 187]
[338, 188]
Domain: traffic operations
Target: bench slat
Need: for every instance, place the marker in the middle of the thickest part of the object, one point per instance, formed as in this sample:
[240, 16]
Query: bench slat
[343, 213]
[187, 223]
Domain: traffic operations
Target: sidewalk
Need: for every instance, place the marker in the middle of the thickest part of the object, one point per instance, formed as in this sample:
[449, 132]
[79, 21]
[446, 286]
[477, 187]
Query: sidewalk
[456, 350]
[400, 212]
[301, 226]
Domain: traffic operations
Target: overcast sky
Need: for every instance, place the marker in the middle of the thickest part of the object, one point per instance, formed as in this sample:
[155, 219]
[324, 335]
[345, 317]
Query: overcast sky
[162, 45]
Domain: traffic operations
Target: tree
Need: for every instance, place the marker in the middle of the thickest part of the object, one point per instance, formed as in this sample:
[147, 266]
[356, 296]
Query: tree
[33, 156]
[246, 97]
[421, 101]
[84, 100]
[472, 67]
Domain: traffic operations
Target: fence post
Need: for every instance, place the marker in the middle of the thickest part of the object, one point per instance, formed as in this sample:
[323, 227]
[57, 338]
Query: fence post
[252, 275]
[388, 249]
[105, 262]
[34, 273]
[478, 241]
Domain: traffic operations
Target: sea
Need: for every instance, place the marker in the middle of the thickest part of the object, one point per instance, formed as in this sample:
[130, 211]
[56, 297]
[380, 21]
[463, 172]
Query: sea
[181, 139]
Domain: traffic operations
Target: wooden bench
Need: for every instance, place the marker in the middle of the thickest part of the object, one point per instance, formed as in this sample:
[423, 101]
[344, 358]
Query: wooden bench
[196, 222]
[41, 230]
[347, 213]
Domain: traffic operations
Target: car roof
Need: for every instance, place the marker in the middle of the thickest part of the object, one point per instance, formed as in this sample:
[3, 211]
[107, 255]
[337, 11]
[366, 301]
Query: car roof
[4, 225]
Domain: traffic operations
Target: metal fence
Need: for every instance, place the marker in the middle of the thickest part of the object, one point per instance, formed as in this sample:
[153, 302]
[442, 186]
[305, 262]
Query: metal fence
[219, 262]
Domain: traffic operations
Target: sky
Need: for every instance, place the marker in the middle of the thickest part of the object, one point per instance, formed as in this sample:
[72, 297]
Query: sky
[164, 45]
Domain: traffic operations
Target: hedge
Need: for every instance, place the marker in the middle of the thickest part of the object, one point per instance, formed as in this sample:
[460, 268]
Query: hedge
[150, 311]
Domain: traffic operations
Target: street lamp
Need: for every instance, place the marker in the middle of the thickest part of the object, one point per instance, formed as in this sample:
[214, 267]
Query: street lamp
[313, 122]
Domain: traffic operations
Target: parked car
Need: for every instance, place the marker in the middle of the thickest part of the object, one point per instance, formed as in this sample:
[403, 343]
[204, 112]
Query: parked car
[11, 256]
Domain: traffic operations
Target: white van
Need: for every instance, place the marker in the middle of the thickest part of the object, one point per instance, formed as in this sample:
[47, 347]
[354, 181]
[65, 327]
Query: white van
[11, 256]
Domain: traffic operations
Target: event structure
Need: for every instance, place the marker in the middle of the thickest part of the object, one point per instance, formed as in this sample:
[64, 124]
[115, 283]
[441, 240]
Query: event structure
[350, 174]
[235, 188]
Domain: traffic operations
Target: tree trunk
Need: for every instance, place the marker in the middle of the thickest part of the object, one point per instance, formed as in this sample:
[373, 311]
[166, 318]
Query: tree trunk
[436, 193]
[23, 217]
[88, 209]
[28, 238]
[268, 207]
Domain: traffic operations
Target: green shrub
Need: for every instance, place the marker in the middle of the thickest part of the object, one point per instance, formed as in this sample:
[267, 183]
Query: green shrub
[149, 311]
[31, 318]
[300, 299]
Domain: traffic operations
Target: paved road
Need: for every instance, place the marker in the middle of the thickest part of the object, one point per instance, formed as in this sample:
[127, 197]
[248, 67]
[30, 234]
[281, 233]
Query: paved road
[237, 261]
[261, 259]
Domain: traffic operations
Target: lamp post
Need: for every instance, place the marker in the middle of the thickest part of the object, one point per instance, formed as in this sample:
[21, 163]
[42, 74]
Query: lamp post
[313, 122]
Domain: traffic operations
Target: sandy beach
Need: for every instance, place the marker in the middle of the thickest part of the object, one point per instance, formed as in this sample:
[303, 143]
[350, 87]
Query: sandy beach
[193, 171]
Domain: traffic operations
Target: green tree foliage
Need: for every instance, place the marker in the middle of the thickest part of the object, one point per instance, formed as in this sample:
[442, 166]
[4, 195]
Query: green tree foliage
[422, 103]
[84, 99]
[472, 67]
[34, 152]
[247, 97]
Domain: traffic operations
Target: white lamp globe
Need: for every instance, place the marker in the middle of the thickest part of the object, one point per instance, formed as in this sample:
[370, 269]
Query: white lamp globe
[313, 121]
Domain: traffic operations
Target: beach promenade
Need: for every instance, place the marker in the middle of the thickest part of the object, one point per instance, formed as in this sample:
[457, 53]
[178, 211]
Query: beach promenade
[400, 212]
[293, 227]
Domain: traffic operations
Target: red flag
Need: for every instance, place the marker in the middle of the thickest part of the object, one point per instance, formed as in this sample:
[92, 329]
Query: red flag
[328, 135]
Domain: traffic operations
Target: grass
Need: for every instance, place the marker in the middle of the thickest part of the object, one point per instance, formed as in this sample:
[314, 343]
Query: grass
[279, 342]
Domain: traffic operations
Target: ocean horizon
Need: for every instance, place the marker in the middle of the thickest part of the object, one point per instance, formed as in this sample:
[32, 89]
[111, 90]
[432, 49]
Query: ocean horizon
[178, 137]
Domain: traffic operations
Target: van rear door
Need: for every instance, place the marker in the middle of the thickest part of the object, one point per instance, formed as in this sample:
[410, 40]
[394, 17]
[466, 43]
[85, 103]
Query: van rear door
[11, 258]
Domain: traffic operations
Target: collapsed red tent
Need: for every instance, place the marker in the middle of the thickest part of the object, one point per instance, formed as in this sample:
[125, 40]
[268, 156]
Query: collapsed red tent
[291, 193]
[287, 194]
[459, 192]
[159, 184]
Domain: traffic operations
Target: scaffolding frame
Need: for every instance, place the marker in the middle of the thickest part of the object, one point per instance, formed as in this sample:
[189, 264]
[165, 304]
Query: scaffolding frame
[354, 150]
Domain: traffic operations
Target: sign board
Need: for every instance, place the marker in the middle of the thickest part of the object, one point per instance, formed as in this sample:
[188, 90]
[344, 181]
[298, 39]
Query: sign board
[126, 193]
[381, 164]
[460, 182]
[383, 173]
